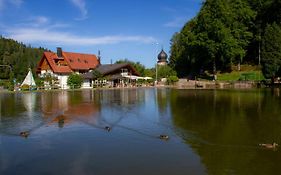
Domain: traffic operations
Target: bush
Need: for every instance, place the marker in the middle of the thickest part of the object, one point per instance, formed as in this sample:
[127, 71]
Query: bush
[74, 81]
[39, 82]
[165, 72]
[172, 79]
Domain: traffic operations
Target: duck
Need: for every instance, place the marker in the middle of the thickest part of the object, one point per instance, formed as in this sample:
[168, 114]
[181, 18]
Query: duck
[107, 128]
[164, 137]
[24, 134]
[269, 145]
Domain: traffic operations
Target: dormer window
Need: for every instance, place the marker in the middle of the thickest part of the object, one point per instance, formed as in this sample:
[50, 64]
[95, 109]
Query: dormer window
[86, 61]
[79, 60]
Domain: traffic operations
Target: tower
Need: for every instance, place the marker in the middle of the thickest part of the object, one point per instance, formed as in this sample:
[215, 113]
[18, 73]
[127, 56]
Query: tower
[162, 58]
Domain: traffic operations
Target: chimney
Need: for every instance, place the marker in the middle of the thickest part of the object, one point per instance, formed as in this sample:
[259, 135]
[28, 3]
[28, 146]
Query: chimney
[99, 57]
[59, 52]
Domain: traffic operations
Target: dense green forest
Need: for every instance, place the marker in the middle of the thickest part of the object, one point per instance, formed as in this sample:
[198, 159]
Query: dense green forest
[227, 33]
[16, 58]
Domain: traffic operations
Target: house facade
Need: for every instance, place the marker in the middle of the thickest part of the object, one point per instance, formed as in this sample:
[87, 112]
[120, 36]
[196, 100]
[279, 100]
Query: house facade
[55, 68]
[113, 75]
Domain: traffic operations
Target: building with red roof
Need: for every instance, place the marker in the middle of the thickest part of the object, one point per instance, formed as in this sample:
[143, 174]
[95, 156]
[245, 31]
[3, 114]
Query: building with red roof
[55, 69]
[61, 64]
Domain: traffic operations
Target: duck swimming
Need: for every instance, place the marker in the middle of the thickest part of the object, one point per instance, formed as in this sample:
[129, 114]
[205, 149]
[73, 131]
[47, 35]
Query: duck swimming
[164, 137]
[107, 128]
[269, 145]
[24, 134]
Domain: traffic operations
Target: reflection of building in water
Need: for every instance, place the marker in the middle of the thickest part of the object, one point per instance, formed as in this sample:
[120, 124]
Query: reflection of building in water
[88, 95]
[123, 96]
[65, 107]
[276, 92]
[54, 102]
[29, 102]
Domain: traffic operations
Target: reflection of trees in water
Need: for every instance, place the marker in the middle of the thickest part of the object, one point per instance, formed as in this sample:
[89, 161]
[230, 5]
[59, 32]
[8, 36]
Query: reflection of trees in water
[17, 109]
[162, 101]
[10, 102]
[224, 128]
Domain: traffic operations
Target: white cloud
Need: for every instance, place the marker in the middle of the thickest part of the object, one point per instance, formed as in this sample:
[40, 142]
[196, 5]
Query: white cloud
[81, 5]
[41, 20]
[47, 36]
[36, 21]
[4, 3]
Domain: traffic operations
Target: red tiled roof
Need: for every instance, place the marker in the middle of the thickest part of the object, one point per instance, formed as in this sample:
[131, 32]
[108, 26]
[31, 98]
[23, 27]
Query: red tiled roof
[75, 61]
[78, 61]
[50, 56]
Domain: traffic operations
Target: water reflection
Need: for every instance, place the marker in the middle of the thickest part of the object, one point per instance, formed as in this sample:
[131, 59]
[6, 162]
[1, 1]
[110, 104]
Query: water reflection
[225, 127]
[66, 131]
[211, 132]
[59, 107]
[62, 108]
[29, 101]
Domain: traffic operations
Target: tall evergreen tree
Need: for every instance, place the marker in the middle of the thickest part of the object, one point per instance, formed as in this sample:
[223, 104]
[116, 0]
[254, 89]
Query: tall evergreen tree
[271, 51]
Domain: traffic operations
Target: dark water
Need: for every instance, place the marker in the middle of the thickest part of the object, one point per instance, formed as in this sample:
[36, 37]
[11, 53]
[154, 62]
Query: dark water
[211, 132]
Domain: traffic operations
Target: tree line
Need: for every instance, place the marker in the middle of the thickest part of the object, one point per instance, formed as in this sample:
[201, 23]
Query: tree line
[16, 58]
[227, 33]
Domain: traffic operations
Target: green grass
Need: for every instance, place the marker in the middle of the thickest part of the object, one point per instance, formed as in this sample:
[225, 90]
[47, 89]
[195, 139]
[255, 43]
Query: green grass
[253, 75]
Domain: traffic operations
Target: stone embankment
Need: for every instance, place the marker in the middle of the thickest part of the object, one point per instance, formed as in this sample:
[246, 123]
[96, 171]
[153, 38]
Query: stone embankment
[194, 84]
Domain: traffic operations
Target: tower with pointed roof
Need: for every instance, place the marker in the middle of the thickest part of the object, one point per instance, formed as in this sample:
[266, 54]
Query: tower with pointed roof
[162, 58]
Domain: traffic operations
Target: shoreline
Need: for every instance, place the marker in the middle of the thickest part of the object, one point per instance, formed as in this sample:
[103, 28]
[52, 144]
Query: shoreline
[182, 84]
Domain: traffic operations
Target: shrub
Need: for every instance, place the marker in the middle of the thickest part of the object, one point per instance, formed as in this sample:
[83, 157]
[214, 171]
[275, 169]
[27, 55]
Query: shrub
[172, 79]
[74, 81]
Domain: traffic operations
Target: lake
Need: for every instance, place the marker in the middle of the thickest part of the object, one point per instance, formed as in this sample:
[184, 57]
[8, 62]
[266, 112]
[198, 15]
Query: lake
[210, 132]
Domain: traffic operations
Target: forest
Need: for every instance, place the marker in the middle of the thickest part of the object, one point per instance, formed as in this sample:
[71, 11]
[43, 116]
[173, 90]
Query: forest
[228, 33]
[16, 58]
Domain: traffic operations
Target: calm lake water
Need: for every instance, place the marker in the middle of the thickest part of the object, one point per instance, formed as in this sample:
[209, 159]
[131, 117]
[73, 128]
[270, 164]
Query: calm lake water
[210, 131]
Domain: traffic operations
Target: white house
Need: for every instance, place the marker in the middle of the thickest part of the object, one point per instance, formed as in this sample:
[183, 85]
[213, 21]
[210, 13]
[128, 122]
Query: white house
[56, 67]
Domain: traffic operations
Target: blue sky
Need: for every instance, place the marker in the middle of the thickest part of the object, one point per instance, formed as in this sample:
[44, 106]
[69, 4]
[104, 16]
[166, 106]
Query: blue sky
[132, 29]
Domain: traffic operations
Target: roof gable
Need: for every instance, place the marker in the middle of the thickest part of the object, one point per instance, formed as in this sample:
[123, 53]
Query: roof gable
[51, 57]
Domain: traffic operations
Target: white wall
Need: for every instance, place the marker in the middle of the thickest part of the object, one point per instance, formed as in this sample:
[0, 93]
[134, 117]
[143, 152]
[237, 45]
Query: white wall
[63, 81]
[86, 84]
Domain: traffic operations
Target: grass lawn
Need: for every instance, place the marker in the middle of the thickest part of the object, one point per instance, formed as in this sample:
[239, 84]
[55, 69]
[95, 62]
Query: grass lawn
[253, 75]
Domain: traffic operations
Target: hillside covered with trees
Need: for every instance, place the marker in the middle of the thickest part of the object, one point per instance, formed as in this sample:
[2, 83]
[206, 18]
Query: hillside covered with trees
[16, 58]
[228, 33]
